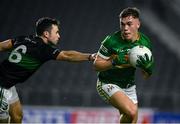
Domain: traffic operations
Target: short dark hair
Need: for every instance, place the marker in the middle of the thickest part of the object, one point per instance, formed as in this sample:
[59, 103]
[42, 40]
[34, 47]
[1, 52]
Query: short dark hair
[45, 24]
[129, 11]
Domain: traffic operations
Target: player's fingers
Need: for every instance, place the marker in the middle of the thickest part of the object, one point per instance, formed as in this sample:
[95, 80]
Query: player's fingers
[141, 59]
[138, 63]
[146, 56]
[151, 58]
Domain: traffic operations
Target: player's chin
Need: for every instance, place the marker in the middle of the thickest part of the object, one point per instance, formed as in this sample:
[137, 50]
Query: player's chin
[55, 42]
[129, 38]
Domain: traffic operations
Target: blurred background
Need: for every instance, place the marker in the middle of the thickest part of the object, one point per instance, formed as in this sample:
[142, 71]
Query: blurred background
[84, 24]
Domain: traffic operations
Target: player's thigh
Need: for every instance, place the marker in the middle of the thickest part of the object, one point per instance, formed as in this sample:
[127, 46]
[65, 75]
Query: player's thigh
[15, 111]
[123, 99]
[122, 102]
[15, 108]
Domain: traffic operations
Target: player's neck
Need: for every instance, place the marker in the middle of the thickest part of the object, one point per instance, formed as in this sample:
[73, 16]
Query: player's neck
[136, 37]
[44, 39]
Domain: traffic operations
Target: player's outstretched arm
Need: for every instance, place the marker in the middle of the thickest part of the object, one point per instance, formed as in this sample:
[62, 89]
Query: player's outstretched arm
[75, 56]
[6, 45]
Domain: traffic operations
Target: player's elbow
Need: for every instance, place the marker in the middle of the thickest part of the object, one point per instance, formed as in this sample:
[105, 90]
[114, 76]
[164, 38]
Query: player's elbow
[99, 66]
[64, 56]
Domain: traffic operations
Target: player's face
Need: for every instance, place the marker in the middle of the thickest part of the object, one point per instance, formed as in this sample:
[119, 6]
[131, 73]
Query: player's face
[54, 35]
[129, 28]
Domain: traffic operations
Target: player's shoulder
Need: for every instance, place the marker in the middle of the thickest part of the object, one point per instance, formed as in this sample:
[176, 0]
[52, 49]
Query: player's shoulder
[144, 37]
[145, 40]
[114, 34]
[23, 38]
[111, 36]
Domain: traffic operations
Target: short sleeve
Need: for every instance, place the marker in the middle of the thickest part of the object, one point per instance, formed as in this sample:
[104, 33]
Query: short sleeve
[51, 52]
[105, 48]
[18, 40]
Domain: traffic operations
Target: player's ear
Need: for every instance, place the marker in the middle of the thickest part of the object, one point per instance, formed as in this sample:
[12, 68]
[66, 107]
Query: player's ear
[46, 34]
[138, 24]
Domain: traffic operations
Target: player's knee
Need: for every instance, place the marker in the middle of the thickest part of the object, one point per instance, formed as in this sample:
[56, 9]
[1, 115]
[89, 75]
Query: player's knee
[132, 113]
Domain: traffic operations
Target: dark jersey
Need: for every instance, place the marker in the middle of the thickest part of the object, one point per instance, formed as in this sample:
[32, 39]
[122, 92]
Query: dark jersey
[26, 56]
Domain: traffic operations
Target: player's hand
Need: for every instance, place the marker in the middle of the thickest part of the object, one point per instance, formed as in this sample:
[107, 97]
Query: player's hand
[121, 58]
[92, 57]
[146, 63]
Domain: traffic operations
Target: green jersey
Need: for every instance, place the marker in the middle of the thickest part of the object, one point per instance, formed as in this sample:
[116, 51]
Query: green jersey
[111, 45]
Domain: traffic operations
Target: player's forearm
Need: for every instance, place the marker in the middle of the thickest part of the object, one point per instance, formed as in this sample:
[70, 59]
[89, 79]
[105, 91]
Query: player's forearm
[5, 45]
[74, 56]
[145, 74]
[78, 56]
[102, 65]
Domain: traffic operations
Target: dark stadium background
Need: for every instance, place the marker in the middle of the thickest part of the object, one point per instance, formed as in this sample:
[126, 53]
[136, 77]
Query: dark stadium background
[84, 24]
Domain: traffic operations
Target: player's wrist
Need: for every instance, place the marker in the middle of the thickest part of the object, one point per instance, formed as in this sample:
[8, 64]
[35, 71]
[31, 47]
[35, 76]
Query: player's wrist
[89, 57]
[113, 62]
[92, 57]
[118, 61]
[149, 71]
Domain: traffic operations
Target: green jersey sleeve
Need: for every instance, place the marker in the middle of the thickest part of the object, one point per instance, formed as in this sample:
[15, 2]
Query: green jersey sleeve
[105, 50]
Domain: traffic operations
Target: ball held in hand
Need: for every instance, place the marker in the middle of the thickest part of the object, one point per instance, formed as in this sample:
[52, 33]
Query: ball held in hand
[137, 51]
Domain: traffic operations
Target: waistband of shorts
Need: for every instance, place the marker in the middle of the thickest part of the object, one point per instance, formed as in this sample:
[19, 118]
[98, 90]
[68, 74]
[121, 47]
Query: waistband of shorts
[120, 84]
